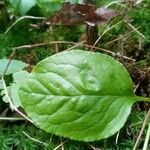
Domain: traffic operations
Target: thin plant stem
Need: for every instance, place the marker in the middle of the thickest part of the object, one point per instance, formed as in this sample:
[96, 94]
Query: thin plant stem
[138, 2]
[135, 29]
[76, 45]
[117, 137]
[142, 130]
[105, 31]
[60, 145]
[33, 139]
[10, 59]
[145, 147]
[12, 106]
[11, 119]
[136, 87]
[21, 18]
[67, 42]
[124, 36]
[114, 2]
[93, 148]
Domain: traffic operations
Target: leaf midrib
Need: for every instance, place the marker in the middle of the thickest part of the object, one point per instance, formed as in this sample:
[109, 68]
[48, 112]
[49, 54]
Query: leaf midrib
[87, 95]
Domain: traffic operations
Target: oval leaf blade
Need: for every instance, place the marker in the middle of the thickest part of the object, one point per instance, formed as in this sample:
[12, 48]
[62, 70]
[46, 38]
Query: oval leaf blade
[77, 94]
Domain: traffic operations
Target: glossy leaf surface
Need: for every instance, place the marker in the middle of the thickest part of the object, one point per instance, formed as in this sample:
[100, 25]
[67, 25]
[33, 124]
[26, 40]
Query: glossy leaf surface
[77, 94]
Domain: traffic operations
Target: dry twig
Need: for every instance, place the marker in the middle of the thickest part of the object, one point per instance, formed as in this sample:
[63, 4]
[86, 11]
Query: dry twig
[74, 43]
[60, 145]
[21, 18]
[33, 139]
[12, 106]
[135, 29]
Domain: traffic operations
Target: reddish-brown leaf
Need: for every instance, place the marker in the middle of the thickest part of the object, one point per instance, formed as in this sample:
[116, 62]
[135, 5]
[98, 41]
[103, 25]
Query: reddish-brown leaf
[71, 14]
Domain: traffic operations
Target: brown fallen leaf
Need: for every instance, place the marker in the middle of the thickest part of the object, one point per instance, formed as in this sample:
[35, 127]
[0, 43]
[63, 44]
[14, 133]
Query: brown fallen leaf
[71, 14]
[101, 14]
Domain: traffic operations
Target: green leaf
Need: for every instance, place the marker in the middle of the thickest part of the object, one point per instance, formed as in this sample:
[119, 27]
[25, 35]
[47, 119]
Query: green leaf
[77, 94]
[22, 6]
[13, 89]
[15, 65]
[49, 6]
[19, 78]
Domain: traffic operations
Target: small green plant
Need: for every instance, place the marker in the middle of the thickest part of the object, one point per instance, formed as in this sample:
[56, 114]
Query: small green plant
[77, 94]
